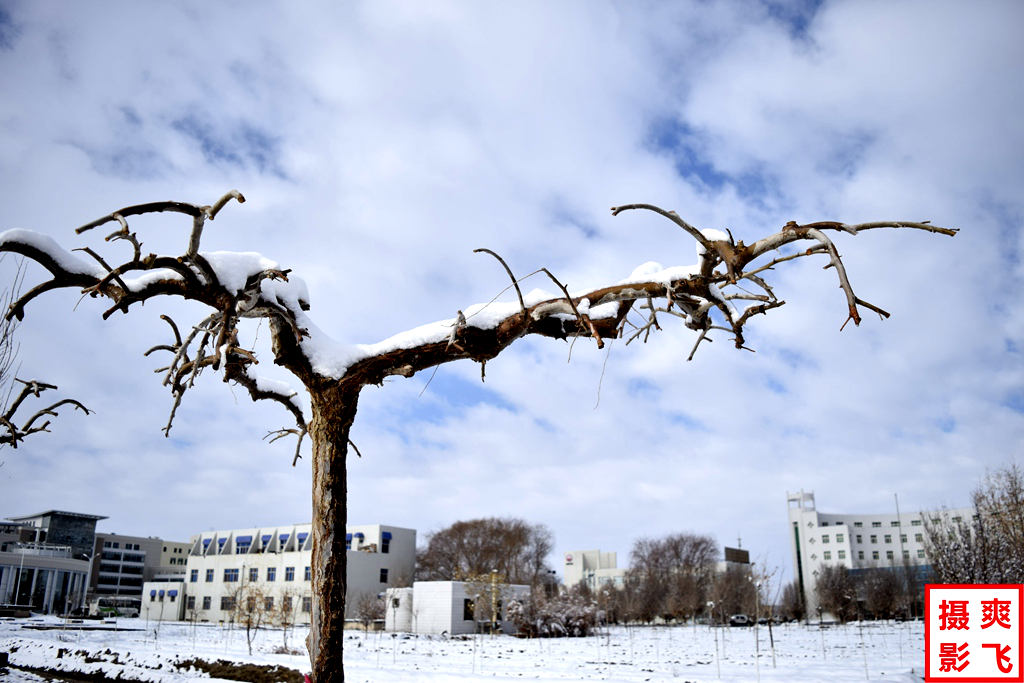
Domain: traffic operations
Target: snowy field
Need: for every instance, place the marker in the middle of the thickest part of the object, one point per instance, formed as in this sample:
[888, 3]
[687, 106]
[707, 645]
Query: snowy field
[876, 652]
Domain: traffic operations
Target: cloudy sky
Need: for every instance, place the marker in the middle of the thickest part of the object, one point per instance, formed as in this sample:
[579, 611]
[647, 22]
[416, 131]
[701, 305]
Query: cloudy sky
[379, 143]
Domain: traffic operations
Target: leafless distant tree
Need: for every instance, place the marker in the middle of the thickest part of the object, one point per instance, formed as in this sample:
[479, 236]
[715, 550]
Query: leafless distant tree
[369, 609]
[733, 592]
[837, 592]
[791, 604]
[675, 573]
[285, 613]
[988, 547]
[473, 548]
[723, 291]
[251, 610]
[882, 589]
[14, 428]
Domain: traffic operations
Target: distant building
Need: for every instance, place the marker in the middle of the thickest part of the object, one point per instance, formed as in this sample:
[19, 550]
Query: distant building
[44, 560]
[278, 561]
[859, 542]
[733, 557]
[436, 607]
[123, 563]
[592, 568]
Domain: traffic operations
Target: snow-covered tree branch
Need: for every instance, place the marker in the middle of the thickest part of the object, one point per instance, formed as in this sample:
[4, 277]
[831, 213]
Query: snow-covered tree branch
[723, 290]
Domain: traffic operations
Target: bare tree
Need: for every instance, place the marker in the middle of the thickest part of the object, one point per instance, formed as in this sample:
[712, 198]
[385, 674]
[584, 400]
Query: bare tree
[791, 605]
[237, 286]
[882, 589]
[473, 548]
[674, 573]
[989, 547]
[285, 613]
[837, 592]
[12, 433]
[250, 610]
[369, 609]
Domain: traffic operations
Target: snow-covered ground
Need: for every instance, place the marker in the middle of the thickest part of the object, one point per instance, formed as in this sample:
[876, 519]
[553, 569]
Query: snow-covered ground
[875, 651]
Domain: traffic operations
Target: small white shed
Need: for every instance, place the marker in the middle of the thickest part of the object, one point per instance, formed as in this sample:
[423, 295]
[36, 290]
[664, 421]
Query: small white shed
[436, 607]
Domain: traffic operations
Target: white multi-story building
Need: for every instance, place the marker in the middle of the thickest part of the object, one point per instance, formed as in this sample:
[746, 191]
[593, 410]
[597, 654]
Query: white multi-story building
[855, 541]
[593, 568]
[279, 559]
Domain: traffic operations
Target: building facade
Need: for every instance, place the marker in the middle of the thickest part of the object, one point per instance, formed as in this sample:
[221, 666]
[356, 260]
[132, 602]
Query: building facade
[592, 568]
[859, 542]
[122, 564]
[276, 564]
[44, 562]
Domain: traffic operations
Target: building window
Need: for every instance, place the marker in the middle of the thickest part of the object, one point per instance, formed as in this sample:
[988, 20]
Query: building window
[190, 602]
[860, 554]
[828, 554]
[287, 603]
[271, 573]
[206, 602]
[920, 552]
[385, 545]
[915, 522]
[842, 554]
[957, 520]
[876, 524]
[874, 554]
[919, 538]
[254, 573]
[384, 575]
[874, 538]
[888, 538]
[888, 554]
[308, 574]
[860, 539]
[906, 554]
[824, 538]
[307, 604]
[840, 538]
[268, 603]
[858, 524]
[230, 575]
[894, 523]
[289, 573]
[468, 608]
[227, 603]
[193, 576]
[172, 596]
[209, 576]
[152, 597]
[903, 538]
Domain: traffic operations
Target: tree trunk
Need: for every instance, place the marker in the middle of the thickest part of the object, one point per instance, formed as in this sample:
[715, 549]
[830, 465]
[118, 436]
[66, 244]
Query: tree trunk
[334, 409]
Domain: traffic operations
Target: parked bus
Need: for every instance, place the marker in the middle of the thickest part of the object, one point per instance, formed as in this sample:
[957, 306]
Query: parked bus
[114, 606]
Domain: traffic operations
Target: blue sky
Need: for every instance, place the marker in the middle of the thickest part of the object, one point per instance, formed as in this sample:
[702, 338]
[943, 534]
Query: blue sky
[379, 143]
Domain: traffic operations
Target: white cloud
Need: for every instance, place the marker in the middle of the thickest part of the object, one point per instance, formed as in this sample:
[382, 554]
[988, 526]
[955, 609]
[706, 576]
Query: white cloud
[379, 143]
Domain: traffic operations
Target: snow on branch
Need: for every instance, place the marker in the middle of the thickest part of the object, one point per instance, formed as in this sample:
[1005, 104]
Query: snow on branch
[237, 285]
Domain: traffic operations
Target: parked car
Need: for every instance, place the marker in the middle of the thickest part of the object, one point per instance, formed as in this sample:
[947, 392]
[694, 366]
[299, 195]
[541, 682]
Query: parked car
[740, 620]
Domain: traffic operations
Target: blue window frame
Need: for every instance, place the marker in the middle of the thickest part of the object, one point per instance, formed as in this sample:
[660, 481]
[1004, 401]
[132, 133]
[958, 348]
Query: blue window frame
[271, 573]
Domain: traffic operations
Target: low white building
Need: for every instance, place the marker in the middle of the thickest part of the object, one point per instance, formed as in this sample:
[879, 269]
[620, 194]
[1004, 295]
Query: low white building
[163, 600]
[858, 542]
[436, 607]
[278, 561]
[593, 568]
